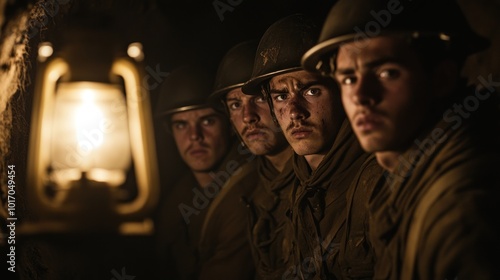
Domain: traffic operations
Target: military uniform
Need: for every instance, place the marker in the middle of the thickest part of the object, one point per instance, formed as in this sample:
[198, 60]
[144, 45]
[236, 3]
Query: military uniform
[437, 217]
[328, 241]
[267, 224]
[318, 243]
[208, 240]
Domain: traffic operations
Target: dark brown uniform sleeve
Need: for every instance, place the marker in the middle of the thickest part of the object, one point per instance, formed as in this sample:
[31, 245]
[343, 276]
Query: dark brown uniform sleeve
[224, 249]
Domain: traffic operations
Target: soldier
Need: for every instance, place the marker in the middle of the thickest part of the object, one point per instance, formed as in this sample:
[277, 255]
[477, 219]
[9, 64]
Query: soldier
[333, 176]
[437, 216]
[251, 119]
[202, 224]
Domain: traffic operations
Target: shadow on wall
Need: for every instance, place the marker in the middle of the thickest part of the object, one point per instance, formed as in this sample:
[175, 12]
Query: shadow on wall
[24, 28]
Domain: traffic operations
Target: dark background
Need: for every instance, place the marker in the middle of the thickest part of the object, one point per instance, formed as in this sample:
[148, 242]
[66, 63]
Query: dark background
[198, 25]
[172, 32]
[194, 31]
[181, 31]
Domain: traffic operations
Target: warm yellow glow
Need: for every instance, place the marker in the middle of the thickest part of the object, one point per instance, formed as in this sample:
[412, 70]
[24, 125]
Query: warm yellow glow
[90, 133]
[87, 118]
[135, 51]
[141, 128]
[444, 37]
[45, 50]
[84, 137]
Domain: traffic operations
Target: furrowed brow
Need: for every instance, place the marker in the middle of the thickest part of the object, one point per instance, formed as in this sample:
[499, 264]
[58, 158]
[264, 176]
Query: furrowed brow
[279, 91]
[308, 85]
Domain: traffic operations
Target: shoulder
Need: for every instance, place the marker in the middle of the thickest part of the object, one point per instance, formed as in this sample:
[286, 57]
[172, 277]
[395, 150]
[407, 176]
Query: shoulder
[370, 172]
[370, 175]
[243, 181]
[461, 231]
[230, 201]
[181, 192]
[459, 208]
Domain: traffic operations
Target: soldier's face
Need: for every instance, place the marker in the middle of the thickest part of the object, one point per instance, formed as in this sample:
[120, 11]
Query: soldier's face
[385, 92]
[202, 138]
[251, 117]
[308, 109]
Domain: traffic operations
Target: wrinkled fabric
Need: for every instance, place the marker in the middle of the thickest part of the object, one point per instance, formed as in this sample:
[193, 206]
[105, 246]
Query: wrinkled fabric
[224, 248]
[267, 220]
[319, 209]
[459, 237]
[224, 251]
[357, 256]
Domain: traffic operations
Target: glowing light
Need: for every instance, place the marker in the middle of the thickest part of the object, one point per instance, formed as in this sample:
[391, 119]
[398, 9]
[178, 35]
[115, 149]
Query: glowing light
[90, 132]
[444, 37]
[45, 50]
[135, 51]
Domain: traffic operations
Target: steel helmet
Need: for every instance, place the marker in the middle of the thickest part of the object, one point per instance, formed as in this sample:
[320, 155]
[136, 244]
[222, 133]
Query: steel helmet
[352, 20]
[234, 69]
[281, 48]
[186, 88]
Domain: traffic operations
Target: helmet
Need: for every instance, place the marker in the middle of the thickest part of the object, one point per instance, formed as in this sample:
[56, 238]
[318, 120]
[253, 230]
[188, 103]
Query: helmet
[186, 88]
[351, 20]
[281, 48]
[234, 69]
